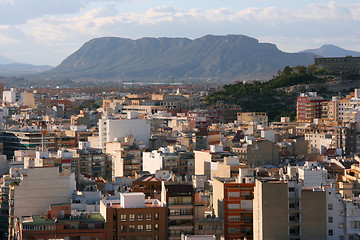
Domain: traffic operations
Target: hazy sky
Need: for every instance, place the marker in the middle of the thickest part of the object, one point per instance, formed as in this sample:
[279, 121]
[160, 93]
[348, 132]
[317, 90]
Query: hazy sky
[47, 31]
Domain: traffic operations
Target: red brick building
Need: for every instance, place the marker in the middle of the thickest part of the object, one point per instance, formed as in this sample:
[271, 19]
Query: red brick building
[132, 218]
[308, 107]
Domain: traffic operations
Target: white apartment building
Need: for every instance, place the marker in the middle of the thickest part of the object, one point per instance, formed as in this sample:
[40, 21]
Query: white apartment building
[111, 129]
[152, 161]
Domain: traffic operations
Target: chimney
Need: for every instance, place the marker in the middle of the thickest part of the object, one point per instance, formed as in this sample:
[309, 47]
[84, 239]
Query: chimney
[49, 214]
[42, 215]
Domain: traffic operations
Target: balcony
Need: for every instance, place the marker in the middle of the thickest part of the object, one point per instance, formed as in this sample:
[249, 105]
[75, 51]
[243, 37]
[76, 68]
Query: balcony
[181, 217]
[181, 227]
[182, 206]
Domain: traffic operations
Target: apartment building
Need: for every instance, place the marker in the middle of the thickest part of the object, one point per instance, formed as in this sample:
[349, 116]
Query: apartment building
[38, 189]
[323, 137]
[180, 200]
[308, 107]
[180, 163]
[338, 65]
[233, 202]
[253, 118]
[134, 217]
[202, 118]
[90, 161]
[20, 137]
[205, 160]
[111, 129]
[125, 156]
[59, 223]
[258, 152]
[284, 210]
[206, 225]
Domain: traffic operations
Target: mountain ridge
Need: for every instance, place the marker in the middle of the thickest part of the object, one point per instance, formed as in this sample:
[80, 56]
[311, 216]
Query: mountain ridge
[218, 57]
[329, 50]
[18, 69]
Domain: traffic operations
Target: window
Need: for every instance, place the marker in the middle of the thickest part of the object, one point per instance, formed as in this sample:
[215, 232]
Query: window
[148, 227]
[354, 224]
[331, 232]
[234, 218]
[291, 189]
[330, 219]
[233, 206]
[140, 217]
[148, 216]
[234, 230]
[132, 217]
[330, 206]
[245, 193]
[156, 227]
[140, 228]
[341, 225]
[200, 227]
[341, 213]
[233, 194]
[123, 217]
[156, 216]
[123, 228]
[131, 228]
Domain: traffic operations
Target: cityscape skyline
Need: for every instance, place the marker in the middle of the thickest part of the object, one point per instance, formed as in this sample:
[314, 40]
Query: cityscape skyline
[43, 32]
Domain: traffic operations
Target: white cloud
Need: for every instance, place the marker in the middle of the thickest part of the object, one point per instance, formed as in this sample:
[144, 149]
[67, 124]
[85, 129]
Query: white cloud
[108, 20]
[19, 11]
[292, 30]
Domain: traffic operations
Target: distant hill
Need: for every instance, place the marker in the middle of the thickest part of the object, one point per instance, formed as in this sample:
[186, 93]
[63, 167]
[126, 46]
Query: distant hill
[18, 69]
[5, 60]
[332, 51]
[230, 57]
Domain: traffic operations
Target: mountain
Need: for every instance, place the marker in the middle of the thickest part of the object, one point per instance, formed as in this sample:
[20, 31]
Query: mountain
[332, 51]
[228, 57]
[18, 69]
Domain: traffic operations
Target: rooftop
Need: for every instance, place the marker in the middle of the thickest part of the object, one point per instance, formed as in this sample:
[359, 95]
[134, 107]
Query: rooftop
[38, 220]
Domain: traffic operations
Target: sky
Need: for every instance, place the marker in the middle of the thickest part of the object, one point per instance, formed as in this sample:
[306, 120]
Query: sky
[45, 32]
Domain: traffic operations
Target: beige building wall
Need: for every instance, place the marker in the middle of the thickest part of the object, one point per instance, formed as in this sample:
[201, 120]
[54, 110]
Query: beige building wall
[258, 118]
[218, 198]
[302, 147]
[270, 204]
[28, 99]
[313, 215]
[202, 163]
[263, 152]
[41, 188]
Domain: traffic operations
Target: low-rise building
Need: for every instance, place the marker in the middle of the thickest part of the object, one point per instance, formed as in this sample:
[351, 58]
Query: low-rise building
[59, 223]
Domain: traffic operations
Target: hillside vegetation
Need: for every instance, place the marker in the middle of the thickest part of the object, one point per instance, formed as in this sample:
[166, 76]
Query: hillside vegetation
[267, 96]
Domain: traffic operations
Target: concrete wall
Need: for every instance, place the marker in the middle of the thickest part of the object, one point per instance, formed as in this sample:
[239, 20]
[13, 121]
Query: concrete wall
[202, 163]
[313, 217]
[109, 129]
[41, 188]
[270, 206]
[218, 198]
[152, 161]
